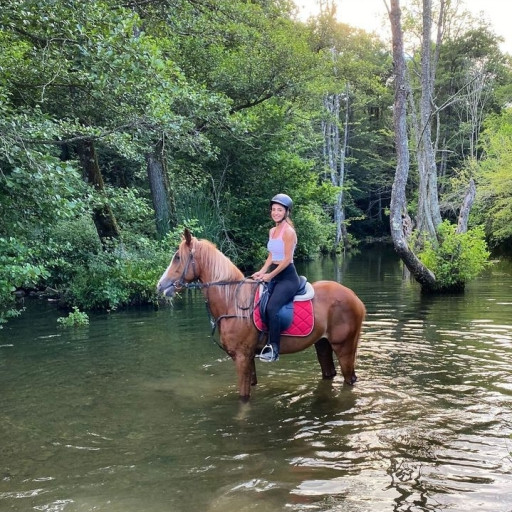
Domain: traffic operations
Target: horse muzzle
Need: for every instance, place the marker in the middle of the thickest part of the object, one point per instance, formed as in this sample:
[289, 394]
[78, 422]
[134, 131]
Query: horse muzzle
[167, 288]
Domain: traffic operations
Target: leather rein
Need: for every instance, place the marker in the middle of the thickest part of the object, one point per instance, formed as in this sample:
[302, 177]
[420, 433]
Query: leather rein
[196, 284]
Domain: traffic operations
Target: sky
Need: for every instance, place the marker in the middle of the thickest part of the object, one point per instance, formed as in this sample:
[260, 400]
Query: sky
[371, 15]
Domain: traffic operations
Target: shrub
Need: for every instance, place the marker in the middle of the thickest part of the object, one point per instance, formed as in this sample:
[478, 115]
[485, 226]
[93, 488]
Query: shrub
[76, 318]
[65, 247]
[16, 271]
[458, 258]
[122, 276]
[97, 285]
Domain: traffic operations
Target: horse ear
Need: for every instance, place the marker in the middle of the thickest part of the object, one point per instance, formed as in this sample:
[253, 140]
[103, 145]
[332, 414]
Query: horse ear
[188, 236]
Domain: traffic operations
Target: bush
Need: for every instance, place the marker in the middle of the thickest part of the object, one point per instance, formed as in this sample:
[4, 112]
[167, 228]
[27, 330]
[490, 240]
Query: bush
[16, 271]
[124, 275]
[65, 247]
[97, 285]
[315, 233]
[75, 319]
[458, 258]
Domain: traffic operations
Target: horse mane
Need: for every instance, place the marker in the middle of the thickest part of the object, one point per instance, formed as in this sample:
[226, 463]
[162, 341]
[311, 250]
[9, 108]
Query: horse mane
[220, 269]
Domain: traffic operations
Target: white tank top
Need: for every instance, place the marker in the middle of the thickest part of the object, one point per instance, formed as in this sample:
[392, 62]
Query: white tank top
[275, 247]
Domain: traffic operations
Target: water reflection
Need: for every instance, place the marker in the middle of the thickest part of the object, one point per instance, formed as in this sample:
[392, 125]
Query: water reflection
[138, 411]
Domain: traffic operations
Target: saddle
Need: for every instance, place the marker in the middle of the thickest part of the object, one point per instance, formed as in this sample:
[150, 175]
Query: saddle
[296, 318]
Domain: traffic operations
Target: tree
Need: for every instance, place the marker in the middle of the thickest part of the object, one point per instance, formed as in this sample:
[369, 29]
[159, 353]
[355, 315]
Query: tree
[354, 69]
[428, 215]
[436, 238]
[448, 98]
[100, 81]
[398, 199]
[494, 176]
[335, 152]
[471, 69]
[104, 220]
[163, 201]
[121, 121]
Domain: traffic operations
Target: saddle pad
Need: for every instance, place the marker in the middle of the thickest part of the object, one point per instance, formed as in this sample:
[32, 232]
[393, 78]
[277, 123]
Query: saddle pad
[302, 323]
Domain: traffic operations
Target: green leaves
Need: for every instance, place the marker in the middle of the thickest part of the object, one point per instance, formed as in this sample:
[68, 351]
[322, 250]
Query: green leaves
[16, 270]
[494, 198]
[230, 90]
[75, 318]
[458, 258]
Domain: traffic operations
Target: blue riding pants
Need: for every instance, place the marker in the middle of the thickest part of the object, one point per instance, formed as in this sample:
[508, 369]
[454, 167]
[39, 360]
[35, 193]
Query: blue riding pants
[284, 287]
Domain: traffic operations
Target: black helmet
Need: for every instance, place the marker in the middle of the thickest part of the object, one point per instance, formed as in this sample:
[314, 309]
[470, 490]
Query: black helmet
[283, 200]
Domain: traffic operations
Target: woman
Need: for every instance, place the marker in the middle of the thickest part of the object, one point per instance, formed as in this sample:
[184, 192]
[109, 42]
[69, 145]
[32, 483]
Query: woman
[280, 270]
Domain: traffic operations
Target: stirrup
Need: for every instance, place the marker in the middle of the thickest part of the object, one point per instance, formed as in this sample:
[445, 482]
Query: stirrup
[268, 354]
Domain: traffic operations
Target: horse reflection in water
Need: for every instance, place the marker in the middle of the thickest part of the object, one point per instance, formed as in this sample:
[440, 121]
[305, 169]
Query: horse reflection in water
[338, 312]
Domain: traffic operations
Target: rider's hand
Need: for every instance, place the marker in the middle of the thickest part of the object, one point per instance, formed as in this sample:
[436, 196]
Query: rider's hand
[258, 276]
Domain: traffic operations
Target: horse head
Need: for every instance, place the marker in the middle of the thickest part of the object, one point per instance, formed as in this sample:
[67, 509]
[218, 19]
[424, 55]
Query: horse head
[181, 270]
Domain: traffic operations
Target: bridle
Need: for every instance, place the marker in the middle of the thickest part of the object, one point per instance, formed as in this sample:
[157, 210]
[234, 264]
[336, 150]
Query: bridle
[196, 284]
[181, 281]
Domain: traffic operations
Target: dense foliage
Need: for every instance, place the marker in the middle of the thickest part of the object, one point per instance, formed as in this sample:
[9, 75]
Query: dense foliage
[75, 318]
[494, 207]
[217, 103]
[458, 258]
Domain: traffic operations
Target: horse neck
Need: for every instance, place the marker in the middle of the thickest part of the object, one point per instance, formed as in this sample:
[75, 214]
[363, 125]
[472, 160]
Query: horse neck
[216, 270]
[232, 299]
[215, 266]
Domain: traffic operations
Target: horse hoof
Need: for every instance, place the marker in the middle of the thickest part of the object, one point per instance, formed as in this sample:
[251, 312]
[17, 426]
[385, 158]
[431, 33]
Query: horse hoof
[352, 380]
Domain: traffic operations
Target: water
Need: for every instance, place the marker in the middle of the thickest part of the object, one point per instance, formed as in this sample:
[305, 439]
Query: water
[139, 411]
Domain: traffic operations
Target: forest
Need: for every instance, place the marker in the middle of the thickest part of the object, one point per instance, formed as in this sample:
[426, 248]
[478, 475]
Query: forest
[122, 122]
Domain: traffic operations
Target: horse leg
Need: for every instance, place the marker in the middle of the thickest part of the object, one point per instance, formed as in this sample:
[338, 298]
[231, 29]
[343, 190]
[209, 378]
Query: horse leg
[346, 320]
[324, 355]
[246, 371]
[254, 378]
[348, 370]
[346, 352]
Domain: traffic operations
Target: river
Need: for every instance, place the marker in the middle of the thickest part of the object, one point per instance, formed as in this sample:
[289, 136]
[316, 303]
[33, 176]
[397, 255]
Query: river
[138, 412]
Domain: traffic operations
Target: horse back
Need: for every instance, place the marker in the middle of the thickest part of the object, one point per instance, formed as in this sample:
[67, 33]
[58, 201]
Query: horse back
[334, 298]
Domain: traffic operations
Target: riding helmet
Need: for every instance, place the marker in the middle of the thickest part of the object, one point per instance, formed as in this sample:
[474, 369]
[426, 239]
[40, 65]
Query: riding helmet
[283, 200]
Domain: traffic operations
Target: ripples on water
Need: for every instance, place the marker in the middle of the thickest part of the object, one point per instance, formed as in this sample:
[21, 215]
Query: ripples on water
[124, 416]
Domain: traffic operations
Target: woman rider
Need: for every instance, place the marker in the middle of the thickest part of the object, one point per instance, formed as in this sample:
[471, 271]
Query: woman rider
[279, 269]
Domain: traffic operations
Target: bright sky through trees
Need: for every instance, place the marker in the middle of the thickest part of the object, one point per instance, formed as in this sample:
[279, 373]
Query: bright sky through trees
[371, 15]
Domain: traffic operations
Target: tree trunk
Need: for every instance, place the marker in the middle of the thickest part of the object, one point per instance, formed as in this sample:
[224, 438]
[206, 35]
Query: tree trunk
[428, 210]
[478, 95]
[462, 225]
[103, 217]
[165, 212]
[342, 226]
[334, 156]
[429, 214]
[398, 201]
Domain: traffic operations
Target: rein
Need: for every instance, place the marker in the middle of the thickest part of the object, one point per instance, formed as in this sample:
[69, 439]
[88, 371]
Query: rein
[215, 321]
[198, 284]
[195, 284]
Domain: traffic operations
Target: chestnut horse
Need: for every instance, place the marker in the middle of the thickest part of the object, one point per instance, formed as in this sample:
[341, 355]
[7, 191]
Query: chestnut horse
[338, 312]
